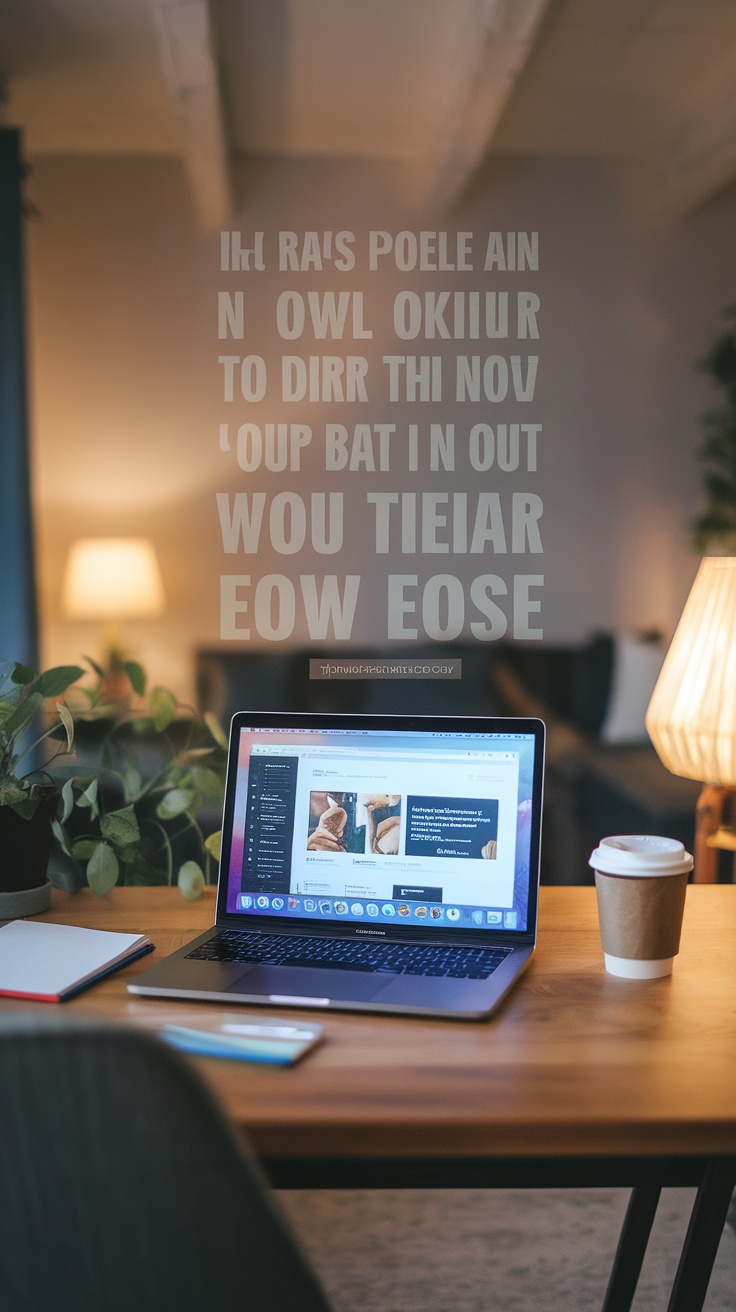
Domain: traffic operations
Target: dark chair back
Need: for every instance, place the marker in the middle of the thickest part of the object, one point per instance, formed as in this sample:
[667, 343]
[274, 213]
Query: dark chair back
[124, 1189]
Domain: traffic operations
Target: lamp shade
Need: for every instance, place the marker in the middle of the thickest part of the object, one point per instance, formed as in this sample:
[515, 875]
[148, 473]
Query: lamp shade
[692, 714]
[112, 579]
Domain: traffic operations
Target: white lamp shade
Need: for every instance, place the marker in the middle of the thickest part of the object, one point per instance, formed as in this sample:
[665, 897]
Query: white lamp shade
[112, 579]
[692, 715]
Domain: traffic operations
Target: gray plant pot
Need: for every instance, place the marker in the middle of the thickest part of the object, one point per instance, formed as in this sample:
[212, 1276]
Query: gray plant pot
[25, 901]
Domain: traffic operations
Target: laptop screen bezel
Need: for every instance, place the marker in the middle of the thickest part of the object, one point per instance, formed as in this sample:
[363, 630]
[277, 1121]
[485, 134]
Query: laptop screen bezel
[402, 932]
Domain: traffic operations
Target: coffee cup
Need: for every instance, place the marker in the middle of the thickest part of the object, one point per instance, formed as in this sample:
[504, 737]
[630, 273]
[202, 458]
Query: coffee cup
[640, 882]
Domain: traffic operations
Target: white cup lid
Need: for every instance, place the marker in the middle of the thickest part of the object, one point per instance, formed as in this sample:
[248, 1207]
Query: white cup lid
[641, 854]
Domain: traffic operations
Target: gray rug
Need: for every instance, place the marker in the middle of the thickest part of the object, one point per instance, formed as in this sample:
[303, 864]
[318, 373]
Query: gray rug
[489, 1250]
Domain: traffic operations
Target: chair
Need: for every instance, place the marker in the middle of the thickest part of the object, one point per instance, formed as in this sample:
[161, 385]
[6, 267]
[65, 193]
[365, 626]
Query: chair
[123, 1188]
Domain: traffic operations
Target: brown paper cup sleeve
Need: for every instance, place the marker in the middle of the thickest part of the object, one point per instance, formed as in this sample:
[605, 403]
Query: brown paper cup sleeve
[640, 918]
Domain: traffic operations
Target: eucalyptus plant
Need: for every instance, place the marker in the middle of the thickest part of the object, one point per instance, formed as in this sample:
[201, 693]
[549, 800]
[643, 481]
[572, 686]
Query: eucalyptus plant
[24, 780]
[128, 818]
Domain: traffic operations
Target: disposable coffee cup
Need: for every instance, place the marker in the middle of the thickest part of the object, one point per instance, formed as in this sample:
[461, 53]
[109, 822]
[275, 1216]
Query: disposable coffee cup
[641, 881]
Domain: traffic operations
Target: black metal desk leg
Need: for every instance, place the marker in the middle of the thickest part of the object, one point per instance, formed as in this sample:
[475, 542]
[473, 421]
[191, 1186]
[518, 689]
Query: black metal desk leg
[632, 1246]
[703, 1237]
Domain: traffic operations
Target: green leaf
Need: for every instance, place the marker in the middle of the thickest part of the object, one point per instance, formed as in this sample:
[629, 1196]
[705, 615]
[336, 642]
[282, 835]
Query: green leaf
[84, 848]
[52, 683]
[102, 870]
[60, 836]
[163, 708]
[174, 803]
[27, 808]
[65, 716]
[216, 729]
[14, 725]
[88, 799]
[142, 872]
[67, 797]
[131, 777]
[120, 827]
[142, 726]
[213, 844]
[22, 673]
[209, 785]
[94, 666]
[190, 880]
[11, 792]
[137, 676]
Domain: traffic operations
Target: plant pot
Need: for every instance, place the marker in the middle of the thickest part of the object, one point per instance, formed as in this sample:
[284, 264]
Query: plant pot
[25, 848]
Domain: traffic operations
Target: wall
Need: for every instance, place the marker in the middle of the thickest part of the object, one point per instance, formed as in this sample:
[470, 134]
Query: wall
[128, 396]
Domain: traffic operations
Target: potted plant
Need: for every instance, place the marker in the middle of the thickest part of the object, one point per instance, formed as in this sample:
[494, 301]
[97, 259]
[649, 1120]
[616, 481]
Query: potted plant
[28, 793]
[155, 777]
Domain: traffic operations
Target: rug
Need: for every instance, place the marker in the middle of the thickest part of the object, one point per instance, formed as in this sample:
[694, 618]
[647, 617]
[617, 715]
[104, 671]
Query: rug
[478, 1250]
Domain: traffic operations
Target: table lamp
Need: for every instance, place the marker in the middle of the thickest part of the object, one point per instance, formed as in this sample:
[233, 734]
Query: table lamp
[109, 580]
[692, 714]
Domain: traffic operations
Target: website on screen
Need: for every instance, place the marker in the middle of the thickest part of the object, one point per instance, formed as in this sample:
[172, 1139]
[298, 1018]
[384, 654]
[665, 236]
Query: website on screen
[390, 826]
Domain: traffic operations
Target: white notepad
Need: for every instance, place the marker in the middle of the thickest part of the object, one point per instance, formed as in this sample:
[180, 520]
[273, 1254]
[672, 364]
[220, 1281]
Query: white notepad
[50, 962]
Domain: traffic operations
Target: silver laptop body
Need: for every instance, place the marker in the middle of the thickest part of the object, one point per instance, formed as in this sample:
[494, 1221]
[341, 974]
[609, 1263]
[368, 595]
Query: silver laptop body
[371, 863]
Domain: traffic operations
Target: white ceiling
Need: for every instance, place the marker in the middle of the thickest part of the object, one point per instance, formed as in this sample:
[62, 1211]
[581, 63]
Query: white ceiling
[435, 84]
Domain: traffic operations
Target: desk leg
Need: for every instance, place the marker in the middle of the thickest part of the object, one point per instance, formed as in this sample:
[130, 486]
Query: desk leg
[703, 1237]
[632, 1246]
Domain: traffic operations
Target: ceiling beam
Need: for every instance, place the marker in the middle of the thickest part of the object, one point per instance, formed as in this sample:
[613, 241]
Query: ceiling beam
[703, 161]
[187, 48]
[498, 38]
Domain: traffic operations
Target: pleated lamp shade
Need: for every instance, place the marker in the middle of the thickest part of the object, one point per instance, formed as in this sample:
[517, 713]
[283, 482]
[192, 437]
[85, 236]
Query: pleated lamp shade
[692, 715]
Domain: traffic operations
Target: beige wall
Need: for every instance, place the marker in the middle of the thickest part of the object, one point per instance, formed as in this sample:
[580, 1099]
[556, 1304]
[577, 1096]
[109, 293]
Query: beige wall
[127, 393]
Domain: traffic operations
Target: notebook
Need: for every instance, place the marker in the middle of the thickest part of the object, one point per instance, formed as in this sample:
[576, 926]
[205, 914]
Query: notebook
[371, 863]
[52, 962]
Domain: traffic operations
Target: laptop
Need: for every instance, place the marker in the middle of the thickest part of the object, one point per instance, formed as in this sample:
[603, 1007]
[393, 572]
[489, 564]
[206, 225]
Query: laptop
[371, 863]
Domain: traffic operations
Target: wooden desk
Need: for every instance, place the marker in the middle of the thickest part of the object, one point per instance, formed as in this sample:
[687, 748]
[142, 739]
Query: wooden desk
[581, 1078]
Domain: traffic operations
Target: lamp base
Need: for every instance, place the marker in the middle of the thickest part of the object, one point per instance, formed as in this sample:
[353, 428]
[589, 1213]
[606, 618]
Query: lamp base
[709, 818]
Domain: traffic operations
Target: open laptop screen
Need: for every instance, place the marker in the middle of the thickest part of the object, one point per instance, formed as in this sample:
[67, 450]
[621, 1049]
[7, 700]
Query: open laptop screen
[415, 827]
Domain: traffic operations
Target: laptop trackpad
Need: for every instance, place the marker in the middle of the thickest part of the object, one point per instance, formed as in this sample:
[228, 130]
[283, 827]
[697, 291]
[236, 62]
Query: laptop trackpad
[293, 982]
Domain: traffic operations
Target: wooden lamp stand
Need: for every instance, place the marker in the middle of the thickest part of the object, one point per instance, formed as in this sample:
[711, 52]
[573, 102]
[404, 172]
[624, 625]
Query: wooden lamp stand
[713, 833]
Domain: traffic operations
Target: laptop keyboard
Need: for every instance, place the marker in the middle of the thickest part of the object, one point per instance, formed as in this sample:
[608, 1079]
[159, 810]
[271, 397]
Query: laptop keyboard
[338, 954]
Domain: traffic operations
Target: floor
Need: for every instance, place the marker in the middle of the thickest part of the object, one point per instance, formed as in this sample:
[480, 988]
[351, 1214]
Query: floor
[485, 1250]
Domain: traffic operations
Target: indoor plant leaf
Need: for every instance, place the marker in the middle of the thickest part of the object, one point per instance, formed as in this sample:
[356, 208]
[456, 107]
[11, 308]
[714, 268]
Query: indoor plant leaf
[163, 708]
[84, 848]
[190, 880]
[207, 783]
[94, 665]
[27, 807]
[60, 836]
[88, 798]
[67, 720]
[21, 717]
[131, 777]
[213, 844]
[67, 797]
[216, 729]
[53, 682]
[120, 827]
[11, 792]
[22, 673]
[174, 803]
[137, 676]
[102, 870]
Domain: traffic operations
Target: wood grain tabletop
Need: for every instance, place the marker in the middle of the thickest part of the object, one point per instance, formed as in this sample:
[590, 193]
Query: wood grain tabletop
[576, 1062]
